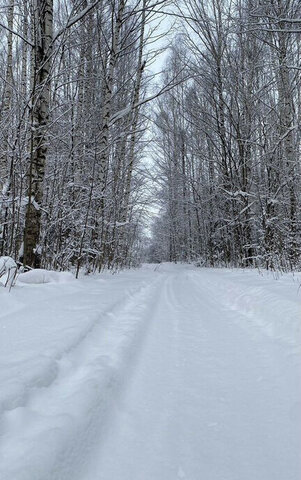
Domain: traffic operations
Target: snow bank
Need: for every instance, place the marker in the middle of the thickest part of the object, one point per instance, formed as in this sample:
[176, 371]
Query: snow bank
[37, 276]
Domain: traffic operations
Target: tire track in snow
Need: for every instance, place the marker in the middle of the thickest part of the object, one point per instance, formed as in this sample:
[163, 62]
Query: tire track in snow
[47, 371]
[64, 417]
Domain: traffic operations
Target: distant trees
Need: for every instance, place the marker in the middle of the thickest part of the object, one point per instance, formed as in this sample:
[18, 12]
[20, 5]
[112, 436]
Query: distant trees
[228, 140]
[71, 129]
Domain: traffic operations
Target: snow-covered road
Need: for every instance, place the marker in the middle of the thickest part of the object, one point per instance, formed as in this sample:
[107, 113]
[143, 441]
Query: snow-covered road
[162, 373]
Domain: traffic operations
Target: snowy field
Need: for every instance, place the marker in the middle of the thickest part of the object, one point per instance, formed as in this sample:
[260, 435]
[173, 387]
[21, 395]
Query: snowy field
[164, 373]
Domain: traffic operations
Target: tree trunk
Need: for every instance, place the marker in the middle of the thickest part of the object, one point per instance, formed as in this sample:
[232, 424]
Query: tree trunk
[43, 15]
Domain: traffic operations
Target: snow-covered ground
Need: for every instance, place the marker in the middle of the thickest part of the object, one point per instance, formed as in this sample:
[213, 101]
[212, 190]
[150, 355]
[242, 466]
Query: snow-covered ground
[163, 373]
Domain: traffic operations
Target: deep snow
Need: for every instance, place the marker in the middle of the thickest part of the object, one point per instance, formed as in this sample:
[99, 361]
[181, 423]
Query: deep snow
[162, 373]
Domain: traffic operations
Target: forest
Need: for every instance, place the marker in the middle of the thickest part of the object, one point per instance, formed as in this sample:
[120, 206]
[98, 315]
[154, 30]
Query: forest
[150, 130]
[150, 239]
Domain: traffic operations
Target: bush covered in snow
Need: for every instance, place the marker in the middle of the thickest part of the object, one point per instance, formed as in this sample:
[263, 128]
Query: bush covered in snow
[8, 271]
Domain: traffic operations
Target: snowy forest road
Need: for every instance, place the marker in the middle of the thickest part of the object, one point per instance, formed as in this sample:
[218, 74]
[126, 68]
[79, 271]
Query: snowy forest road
[193, 375]
[211, 397]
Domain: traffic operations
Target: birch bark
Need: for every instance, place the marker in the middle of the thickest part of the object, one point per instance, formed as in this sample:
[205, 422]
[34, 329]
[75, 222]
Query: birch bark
[43, 35]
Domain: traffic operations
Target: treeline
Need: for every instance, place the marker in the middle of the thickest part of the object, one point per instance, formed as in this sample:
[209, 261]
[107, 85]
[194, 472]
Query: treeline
[228, 138]
[74, 80]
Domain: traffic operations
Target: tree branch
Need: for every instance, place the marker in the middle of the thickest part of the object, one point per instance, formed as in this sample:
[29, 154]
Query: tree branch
[75, 19]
